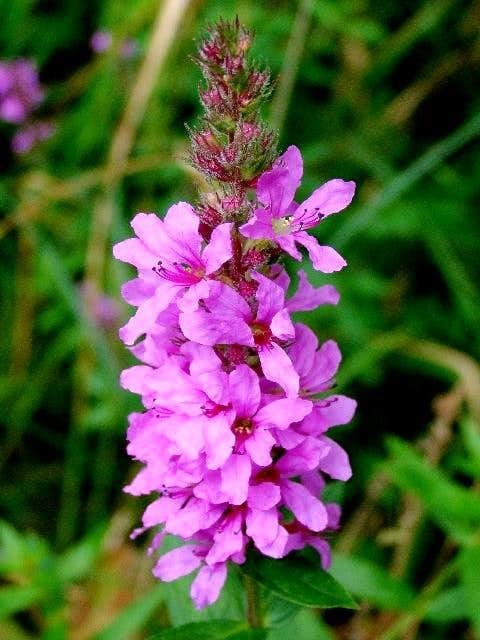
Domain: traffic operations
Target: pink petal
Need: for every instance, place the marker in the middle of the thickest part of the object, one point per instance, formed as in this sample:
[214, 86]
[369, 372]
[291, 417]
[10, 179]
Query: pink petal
[209, 488]
[307, 297]
[209, 329]
[276, 188]
[181, 223]
[228, 540]
[287, 243]
[308, 510]
[195, 515]
[135, 252]
[276, 548]
[137, 291]
[219, 249]
[244, 391]
[259, 226]
[259, 446]
[336, 462]
[302, 458]
[332, 411]
[323, 258]
[235, 475]
[262, 526]
[177, 563]
[270, 298]
[158, 511]
[133, 379]
[226, 303]
[192, 296]
[302, 351]
[151, 231]
[147, 313]
[207, 585]
[277, 367]
[219, 441]
[282, 413]
[331, 197]
[323, 549]
[281, 325]
[263, 496]
[325, 365]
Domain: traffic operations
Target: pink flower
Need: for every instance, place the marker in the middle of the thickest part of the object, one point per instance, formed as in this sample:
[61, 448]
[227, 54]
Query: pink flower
[280, 219]
[101, 41]
[170, 261]
[229, 319]
[232, 437]
[20, 90]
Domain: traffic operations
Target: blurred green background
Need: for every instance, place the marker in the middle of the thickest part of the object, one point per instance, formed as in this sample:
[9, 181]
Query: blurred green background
[381, 92]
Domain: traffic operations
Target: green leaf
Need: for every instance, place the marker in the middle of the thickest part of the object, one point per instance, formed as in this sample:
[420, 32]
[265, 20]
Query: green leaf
[469, 567]
[448, 606]
[213, 630]
[298, 581]
[470, 433]
[453, 507]
[15, 599]
[372, 583]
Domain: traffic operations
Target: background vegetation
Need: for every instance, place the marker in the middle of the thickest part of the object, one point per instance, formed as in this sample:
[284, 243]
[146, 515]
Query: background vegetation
[381, 92]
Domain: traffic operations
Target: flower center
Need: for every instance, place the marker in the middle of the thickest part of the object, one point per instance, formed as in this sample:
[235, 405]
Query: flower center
[242, 426]
[282, 225]
[261, 334]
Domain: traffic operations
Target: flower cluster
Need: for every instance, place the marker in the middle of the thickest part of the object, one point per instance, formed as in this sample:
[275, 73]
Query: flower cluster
[20, 90]
[20, 95]
[236, 394]
[102, 41]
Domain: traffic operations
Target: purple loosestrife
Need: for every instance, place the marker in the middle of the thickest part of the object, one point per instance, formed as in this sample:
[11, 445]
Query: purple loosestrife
[20, 90]
[236, 394]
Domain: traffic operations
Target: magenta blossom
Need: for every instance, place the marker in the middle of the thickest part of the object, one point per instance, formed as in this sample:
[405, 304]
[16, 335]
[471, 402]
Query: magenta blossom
[281, 220]
[229, 319]
[236, 397]
[170, 261]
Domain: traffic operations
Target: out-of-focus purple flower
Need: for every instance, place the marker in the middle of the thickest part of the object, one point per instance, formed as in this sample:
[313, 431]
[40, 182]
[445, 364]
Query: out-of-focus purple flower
[128, 49]
[106, 312]
[20, 90]
[101, 41]
[25, 138]
[284, 221]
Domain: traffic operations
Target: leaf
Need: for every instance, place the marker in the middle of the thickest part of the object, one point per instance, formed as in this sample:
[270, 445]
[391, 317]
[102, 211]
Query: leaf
[372, 583]
[454, 508]
[15, 599]
[304, 625]
[448, 606]
[471, 440]
[213, 630]
[469, 567]
[298, 581]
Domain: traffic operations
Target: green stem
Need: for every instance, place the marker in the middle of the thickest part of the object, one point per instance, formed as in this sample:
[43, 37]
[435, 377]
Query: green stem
[254, 611]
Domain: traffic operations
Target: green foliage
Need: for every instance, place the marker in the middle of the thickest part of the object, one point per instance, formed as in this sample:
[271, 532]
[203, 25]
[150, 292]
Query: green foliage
[213, 630]
[299, 581]
[384, 93]
[368, 581]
